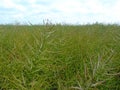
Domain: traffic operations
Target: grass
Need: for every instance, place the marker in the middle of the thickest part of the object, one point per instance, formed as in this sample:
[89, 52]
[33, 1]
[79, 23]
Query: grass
[60, 57]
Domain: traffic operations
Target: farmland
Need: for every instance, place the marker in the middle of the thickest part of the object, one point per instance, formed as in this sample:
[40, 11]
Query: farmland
[60, 57]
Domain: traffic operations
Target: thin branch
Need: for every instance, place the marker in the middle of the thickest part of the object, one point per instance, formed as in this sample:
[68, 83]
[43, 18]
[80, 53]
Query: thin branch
[114, 74]
[78, 88]
[98, 83]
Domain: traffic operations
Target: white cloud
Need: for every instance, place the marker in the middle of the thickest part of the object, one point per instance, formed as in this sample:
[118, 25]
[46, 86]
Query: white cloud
[70, 11]
[12, 4]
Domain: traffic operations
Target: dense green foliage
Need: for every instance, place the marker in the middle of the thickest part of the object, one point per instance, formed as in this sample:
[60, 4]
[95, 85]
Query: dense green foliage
[60, 57]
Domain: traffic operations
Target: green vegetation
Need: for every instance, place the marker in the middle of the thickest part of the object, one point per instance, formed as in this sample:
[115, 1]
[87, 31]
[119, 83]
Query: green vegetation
[60, 57]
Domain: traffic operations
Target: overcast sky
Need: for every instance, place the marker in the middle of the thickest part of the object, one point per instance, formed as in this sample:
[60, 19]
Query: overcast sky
[59, 11]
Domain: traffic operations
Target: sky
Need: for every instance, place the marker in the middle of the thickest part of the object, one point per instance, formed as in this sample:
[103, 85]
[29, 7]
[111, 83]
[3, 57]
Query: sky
[60, 11]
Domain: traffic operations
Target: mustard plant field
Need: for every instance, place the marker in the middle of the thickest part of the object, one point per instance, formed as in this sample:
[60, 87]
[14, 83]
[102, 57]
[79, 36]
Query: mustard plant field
[60, 57]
